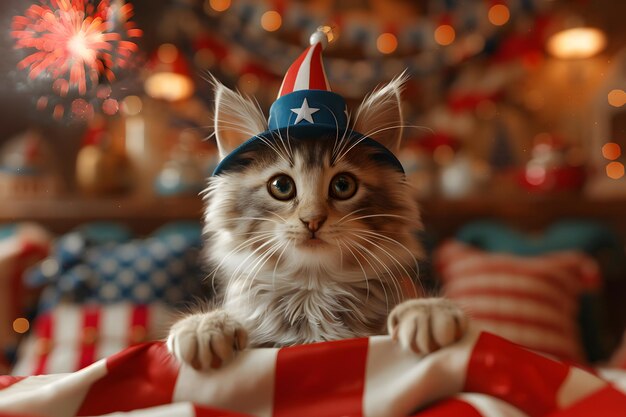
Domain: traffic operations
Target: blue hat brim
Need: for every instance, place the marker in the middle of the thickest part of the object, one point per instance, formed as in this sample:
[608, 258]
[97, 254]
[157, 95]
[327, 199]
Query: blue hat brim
[307, 132]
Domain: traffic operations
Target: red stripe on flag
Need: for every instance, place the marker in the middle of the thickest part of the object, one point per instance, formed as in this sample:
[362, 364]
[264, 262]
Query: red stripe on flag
[325, 379]
[522, 378]
[43, 330]
[91, 324]
[317, 81]
[138, 324]
[141, 376]
[447, 408]
[607, 402]
[292, 74]
[6, 380]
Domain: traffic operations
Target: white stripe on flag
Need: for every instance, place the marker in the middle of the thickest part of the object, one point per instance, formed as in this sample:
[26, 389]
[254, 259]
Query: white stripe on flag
[37, 395]
[577, 385]
[160, 319]
[114, 329]
[169, 410]
[617, 378]
[27, 357]
[304, 72]
[490, 406]
[246, 385]
[398, 381]
[67, 330]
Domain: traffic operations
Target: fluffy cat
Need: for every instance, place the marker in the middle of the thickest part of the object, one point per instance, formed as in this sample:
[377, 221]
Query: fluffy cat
[311, 241]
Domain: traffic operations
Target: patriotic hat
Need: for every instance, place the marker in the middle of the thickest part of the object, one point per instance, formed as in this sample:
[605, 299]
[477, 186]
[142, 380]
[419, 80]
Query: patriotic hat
[306, 109]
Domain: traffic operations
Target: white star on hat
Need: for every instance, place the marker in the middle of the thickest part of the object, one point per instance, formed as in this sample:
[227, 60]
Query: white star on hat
[304, 113]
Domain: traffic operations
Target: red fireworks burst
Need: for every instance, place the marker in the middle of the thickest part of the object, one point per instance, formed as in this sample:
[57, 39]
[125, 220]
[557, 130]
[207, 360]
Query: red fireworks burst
[73, 43]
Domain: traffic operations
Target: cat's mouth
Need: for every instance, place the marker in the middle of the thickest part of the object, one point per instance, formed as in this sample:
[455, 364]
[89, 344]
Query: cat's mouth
[313, 241]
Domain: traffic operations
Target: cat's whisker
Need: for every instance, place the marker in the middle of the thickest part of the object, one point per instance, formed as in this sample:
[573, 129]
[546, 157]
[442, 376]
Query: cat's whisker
[400, 126]
[278, 262]
[363, 251]
[277, 215]
[243, 245]
[403, 247]
[278, 151]
[258, 266]
[375, 215]
[338, 222]
[398, 243]
[367, 284]
[395, 261]
[255, 218]
[253, 253]
[287, 152]
[390, 273]
[344, 142]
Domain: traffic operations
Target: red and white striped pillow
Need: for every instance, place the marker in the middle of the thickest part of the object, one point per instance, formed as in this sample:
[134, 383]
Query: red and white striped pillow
[532, 301]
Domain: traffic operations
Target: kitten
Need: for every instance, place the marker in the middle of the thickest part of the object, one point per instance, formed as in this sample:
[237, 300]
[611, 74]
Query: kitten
[311, 240]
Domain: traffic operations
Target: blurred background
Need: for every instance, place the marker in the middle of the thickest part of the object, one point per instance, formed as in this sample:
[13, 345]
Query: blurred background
[515, 112]
[514, 107]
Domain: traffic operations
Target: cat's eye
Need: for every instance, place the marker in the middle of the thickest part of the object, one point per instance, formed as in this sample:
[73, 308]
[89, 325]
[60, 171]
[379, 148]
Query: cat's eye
[343, 186]
[282, 187]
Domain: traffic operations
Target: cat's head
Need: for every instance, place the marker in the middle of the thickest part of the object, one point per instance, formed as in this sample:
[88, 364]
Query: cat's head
[328, 203]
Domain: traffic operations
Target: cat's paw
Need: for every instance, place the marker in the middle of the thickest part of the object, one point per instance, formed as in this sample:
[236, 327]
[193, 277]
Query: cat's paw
[425, 325]
[206, 340]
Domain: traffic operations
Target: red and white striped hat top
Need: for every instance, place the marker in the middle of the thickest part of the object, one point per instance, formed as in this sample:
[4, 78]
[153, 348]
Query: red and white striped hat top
[307, 72]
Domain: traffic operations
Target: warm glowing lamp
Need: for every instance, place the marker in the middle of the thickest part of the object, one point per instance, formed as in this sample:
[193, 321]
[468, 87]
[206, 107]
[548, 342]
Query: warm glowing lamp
[170, 78]
[576, 43]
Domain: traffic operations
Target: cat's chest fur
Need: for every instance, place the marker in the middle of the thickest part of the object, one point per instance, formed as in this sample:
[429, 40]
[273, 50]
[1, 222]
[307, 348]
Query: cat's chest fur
[306, 309]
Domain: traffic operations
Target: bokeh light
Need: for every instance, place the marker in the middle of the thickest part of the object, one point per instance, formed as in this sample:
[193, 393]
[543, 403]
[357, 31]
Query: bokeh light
[110, 106]
[535, 174]
[611, 151]
[387, 43]
[615, 170]
[443, 154]
[21, 325]
[167, 53]
[617, 98]
[219, 5]
[132, 105]
[271, 21]
[576, 43]
[444, 35]
[498, 14]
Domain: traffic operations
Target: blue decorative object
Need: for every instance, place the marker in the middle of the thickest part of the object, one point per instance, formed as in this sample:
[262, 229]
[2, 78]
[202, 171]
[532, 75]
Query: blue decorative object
[163, 268]
[306, 109]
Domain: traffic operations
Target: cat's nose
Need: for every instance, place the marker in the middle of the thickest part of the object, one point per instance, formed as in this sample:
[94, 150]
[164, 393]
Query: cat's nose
[314, 223]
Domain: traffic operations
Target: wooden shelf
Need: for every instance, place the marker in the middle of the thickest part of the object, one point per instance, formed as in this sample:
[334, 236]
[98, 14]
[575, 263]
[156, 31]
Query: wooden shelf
[441, 215]
[140, 214]
[529, 212]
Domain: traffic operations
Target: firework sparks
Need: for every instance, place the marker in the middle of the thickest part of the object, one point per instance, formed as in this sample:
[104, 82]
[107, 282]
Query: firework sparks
[75, 43]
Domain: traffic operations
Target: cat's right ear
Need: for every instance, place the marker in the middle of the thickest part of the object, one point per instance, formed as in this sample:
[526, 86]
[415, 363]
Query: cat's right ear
[236, 119]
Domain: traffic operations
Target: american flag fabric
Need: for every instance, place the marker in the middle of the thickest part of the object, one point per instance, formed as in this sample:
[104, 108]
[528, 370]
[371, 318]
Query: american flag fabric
[158, 268]
[21, 246]
[481, 376]
[533, 301]
[71, 337]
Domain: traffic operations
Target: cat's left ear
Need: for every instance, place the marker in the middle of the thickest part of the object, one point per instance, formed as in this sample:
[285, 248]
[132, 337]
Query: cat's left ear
[380, 114]
[236, 119]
